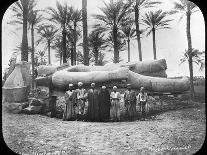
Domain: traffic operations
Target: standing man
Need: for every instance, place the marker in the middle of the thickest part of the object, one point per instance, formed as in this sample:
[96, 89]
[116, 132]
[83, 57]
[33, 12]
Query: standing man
[93, 108]
[142, 97]
[130, 102]
[115, 104]
[70, 98]
[81, 99]
[104, 104]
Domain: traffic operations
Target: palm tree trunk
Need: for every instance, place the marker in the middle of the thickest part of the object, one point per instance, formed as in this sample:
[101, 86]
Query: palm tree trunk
[48, 46]
[96, 56]
[41, 59]
[74, 54]
[64, 45]
[154, 43]
[137, 30]
[24, 52]
[116, 51]
[128, 41]
[61, 56]
[85, 32]
[190, 61]
[32, 55]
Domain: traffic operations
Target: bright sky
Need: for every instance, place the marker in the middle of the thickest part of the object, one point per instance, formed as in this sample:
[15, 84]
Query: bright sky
[171, 43]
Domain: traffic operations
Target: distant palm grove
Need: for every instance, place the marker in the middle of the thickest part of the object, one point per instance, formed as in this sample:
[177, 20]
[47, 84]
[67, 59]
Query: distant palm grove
[65, 30]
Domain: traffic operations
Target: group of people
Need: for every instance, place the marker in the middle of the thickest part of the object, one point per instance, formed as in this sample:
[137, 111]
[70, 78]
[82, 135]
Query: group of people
[102, 105]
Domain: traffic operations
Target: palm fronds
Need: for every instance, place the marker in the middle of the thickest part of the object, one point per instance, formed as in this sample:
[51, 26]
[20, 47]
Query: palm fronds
[156, 20]
[46, 32]
[198, 57]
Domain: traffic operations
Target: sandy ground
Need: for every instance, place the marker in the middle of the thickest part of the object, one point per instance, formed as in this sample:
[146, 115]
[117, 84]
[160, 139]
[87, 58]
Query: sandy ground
[178, 131]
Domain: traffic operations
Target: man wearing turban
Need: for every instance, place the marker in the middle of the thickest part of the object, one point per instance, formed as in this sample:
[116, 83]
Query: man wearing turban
[104, 104]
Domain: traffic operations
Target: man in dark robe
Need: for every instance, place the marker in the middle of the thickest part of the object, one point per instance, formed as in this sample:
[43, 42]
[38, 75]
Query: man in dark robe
[104, 104]
[93, 108]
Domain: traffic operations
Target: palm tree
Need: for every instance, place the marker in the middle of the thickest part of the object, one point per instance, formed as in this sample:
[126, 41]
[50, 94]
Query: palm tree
[81, 58]
[121, 43]
[73, 36]
[197, 57]
[76, 18]
[61, 16]
[129, 33]
[155, 21]
[137, 7]
[18, 49]
[57, 45]
[41, 55]
[33, 20]
[47, 33]
[114, 14]
[101, 60]
[187, 8]
[96, 43]
[21, 10]
[85, 32]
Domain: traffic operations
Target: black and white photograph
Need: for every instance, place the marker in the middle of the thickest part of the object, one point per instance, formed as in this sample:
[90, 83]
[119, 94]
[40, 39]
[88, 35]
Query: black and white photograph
[103, 77]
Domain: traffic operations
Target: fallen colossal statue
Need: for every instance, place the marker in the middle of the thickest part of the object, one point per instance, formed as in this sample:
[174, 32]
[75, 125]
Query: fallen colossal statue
[121, 74]
[154, 68]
